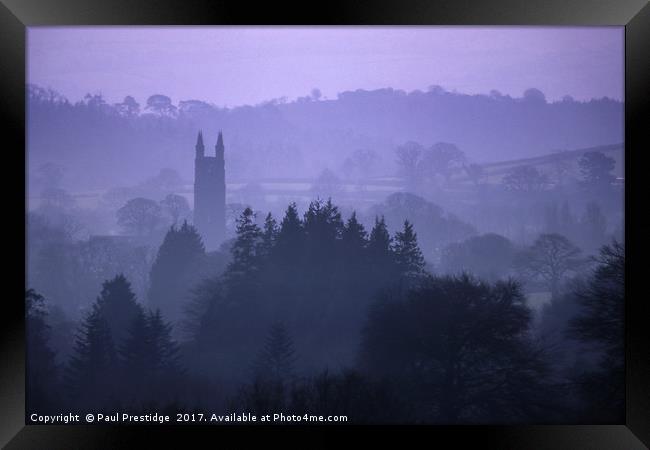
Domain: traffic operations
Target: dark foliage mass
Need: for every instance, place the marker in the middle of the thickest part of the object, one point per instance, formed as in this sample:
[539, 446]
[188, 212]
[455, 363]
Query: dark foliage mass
[462, 350]
[317, 274]
[600, 325]
[315, 313]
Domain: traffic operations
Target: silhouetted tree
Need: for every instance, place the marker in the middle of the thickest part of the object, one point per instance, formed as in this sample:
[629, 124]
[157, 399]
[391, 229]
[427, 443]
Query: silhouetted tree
[165, 350]
[290, 236]
[128, 108]
[269, 235]
[380, 251]
[410, 261]
[489, 257]
[459, 350]
[275, 362]
[92, 371]
[355, 240]
[161, 105]
[178, 266]
[436, 229]
[322, 226]
[551, 258]
[244, 249]
[150, 360]
[117, 306]
[137, 359]
[42, 373]
[600, 324]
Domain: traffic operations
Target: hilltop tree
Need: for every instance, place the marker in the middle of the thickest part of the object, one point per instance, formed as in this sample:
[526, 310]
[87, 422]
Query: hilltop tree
[161, 105]
[129, 108]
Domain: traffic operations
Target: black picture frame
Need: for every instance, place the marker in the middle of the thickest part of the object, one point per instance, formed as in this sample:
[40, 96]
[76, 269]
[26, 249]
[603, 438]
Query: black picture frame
[16, 15]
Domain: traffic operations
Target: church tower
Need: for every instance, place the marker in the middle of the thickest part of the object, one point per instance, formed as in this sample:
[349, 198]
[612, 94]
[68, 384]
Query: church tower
[210, 193]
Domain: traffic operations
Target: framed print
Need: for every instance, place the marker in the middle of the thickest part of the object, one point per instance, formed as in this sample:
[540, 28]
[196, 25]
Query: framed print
[397, 219]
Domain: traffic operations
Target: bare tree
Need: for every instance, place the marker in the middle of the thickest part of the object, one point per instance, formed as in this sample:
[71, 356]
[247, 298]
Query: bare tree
[140, 216]
[551, 258]
[176, 206]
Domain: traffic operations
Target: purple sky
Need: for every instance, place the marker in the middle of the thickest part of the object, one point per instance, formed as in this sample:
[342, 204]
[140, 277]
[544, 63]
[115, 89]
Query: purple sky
[231, 66]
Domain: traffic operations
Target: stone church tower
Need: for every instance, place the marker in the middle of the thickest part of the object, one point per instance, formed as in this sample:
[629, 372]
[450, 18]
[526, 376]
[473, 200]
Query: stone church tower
[210, 194]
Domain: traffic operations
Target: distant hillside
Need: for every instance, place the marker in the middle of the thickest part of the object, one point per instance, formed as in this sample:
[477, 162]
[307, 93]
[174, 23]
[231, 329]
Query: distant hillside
[568, 159]
[102, 145]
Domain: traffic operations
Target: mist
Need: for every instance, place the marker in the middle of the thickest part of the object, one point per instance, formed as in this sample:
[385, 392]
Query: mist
[396, 256]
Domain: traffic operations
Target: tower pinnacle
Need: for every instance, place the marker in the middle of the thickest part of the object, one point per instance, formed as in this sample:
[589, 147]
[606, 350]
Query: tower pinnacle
[200, 148]
[219, 148]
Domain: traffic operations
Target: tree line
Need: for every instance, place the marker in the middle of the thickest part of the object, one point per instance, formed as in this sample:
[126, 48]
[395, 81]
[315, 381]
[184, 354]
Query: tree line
[317, 313]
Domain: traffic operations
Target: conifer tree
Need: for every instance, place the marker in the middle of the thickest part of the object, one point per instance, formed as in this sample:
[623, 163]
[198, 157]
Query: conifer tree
[117, 305]
[92, 371]
[275, 361]
[380, 253]
[354, 234]
[135, 352]
[380, 240]
[600, 324]
[41, 369]
[164, 349]
[269, 235]
[410, 261]
[176, 269]
[244, 249]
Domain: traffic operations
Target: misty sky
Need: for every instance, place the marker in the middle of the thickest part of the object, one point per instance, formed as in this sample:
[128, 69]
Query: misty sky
[231, 66]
